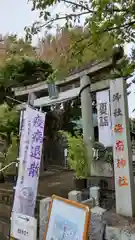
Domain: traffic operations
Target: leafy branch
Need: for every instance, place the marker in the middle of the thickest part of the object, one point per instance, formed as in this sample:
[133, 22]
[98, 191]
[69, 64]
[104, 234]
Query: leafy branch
[37, 26]
[116, 14]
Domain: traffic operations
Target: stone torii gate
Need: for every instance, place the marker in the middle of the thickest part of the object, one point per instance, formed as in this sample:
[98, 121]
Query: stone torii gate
[124, 180]
[125, 194]
[87, 85]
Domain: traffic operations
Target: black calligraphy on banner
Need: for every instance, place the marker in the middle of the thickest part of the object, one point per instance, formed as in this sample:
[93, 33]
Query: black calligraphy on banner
[103, 118]
[103, 108]
[116, 97]
[117, 111]
[103, 121]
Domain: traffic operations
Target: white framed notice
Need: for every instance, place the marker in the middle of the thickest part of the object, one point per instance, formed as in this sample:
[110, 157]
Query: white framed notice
[68, 220]
[23, 227]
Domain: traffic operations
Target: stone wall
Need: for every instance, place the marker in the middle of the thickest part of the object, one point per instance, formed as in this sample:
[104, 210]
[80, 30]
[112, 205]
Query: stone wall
[53, 152]
[6, 202]
[101, 169]
[104, 225]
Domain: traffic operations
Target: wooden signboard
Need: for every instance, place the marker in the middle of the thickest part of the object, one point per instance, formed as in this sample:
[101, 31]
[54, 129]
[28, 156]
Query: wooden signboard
[67, 220]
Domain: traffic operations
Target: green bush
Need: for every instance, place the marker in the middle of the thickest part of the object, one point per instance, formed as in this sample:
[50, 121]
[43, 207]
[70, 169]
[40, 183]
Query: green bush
[77, 155]
[2, 159]
[11, 156]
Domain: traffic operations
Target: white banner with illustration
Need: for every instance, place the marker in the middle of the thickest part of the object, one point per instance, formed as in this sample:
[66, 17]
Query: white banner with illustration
[31, 141]
[104, 118]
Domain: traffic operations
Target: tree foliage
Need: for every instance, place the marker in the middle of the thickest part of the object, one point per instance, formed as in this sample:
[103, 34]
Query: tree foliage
[11, 46]
[19, 65]
[24, 71]
[107, 23]
[11, 156]
[66, 53]
[9, 121]
[77, 155]
[114, 17]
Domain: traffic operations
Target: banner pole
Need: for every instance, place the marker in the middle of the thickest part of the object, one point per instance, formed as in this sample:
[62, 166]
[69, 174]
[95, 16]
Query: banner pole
[16, 166]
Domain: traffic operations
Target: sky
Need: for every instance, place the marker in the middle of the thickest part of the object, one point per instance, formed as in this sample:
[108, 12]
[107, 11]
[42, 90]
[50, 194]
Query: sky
[16, 14]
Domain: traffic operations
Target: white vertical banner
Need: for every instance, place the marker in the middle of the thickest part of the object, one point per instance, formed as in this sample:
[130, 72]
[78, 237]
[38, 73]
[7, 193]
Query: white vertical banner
[104, 118]
[30, 157]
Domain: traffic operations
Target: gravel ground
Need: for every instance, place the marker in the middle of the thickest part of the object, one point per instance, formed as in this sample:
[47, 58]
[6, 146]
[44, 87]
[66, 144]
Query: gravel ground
[111, 218]
[51, 182]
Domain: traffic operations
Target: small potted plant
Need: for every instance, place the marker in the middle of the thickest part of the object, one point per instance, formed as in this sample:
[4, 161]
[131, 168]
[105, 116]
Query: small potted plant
[78, 160]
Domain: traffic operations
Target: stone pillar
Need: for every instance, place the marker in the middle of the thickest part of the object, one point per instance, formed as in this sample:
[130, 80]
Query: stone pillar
[75, 196]
[31, 98]
[44, 206]
[94, 193]
[124, 181]
[97, 225]
[87, 117]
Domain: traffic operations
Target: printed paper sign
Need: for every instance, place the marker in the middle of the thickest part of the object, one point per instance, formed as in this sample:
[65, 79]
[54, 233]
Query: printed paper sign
[23, 227]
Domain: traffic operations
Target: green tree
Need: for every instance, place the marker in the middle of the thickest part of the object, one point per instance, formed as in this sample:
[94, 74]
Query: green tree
[77, 155]
[115, 17]
[11, 45]
[107, 24]
[21, 71]
[66, 53]
[24, 71]
[19, 65]
[18, 46]
[9, 121]
[11, 156]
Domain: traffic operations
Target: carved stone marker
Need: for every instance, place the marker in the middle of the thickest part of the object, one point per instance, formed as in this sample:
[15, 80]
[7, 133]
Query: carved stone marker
[122, 154]
[44, 206]
[97, 226]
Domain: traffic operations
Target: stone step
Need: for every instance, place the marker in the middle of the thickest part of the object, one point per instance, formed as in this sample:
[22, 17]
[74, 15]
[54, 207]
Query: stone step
[4, 228]
[5, 210]
[2, 237]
